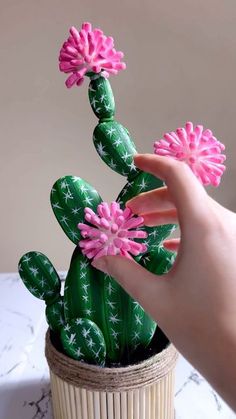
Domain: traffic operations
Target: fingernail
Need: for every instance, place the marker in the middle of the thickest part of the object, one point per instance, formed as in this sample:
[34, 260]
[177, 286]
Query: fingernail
[100, 264]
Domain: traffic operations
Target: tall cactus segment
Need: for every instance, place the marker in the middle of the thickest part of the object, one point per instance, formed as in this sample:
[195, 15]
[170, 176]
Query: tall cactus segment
[91, 294]
[126, 326]
[77, 293]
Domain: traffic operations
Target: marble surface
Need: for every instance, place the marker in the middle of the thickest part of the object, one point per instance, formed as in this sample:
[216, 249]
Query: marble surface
[24, 377]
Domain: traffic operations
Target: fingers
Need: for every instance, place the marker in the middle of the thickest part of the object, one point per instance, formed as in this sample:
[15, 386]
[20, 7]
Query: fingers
[172, 244]
[141, 284]
[151, 201]
[185, 190]
[160, 218]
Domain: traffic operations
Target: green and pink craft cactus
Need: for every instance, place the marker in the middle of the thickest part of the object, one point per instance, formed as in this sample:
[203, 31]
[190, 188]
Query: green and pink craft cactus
[95, 320]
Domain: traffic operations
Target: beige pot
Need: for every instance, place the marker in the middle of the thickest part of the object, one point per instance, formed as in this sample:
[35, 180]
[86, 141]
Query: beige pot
[83, 391]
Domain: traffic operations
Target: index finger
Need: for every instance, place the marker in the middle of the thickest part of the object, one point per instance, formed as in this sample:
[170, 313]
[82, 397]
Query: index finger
[186, 191]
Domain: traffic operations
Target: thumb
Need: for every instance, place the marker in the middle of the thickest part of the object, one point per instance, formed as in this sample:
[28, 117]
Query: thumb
[148, 289]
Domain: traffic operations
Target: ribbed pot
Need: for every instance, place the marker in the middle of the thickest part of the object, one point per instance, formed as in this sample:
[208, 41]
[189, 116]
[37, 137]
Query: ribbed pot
[141, 391]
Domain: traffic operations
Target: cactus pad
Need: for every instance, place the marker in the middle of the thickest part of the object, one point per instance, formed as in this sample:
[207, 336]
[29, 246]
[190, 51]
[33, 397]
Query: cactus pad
[101, 98]
[115, 147]
[69, 196]
[83, 340]
[39, 276]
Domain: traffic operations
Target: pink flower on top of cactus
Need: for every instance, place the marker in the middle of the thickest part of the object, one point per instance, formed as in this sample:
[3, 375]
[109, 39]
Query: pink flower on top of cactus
[198, 148]
[109, 232]
[89, 51]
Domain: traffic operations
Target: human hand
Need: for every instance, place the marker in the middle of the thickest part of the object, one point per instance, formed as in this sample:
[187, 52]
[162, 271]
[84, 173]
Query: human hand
[195, 302]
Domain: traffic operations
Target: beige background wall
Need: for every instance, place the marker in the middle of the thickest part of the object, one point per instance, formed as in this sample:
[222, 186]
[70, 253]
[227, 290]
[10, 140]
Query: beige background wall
[181, 65]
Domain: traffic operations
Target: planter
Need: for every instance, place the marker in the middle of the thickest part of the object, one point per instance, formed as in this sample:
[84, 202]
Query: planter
[141, 391]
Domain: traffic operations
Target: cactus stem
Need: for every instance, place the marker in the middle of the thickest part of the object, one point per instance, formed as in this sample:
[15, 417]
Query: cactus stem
[111, 118]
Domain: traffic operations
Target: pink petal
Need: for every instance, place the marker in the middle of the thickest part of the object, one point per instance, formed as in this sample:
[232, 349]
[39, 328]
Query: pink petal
[71, 80]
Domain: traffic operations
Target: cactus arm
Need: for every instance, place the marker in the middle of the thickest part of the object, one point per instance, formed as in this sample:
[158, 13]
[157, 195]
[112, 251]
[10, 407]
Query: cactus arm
[159, 261]
[41, 279]
[69, 196]
[83, 340]
[144, 182]
[39, 276]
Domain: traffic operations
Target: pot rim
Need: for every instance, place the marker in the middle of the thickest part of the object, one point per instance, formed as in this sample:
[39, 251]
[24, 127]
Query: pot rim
[112, 379]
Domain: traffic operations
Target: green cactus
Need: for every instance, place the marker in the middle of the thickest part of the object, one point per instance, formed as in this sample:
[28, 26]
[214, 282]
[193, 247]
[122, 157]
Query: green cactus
[144, 182]
[112, 141]
[83, 340]
[115, 147]
[42, 280]
[55, 315]
[39, 276]
[101, 98]
[158, 261]
[103, 301]
[96, 320]
[69, 196]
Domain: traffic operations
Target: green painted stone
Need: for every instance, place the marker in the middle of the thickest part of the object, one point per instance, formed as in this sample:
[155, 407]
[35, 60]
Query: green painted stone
[69, 196]
[39, 276]
[145, 182]
[78, 291]
[159, 261]
[115, 147]
[83, 340]
[125, 326]
[98, 297]
[101, 98]
[55, 315]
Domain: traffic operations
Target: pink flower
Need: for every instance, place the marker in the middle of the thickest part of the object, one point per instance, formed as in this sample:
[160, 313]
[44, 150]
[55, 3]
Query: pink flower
[110, 233]
[198, 148]
[89, 51]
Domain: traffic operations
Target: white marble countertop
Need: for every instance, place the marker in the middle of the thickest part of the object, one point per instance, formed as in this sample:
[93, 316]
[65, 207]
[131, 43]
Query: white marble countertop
[24, 376]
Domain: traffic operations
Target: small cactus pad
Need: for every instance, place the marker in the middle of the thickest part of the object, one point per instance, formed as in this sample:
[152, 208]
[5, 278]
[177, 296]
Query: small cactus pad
[101, 98]
[39, 276]
[159, 261]
[83, 340]
[115, 147]
[69, 196]
[55, 315]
